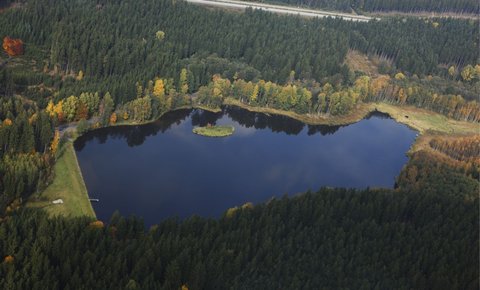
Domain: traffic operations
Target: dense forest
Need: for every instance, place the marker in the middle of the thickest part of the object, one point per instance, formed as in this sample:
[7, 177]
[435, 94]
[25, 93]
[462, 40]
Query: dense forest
[91, 42]
[138, 67]
[342, 239]
[26, 153]
[102, 62]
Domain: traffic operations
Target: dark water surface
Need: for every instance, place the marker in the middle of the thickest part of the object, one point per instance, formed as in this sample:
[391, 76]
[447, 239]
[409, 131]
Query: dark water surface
[163, 170]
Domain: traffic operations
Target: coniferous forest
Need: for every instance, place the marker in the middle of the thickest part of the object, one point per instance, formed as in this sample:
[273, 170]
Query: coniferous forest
[92, 64]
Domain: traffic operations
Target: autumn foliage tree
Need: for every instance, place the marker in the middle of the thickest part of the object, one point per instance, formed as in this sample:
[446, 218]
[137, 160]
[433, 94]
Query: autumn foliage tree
[8, 259]
[113, 118]
[55, 142]
[12, 47]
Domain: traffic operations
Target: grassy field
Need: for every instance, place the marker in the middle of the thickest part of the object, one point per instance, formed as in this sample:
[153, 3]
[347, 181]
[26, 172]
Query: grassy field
[68, 185]
[214, 131]
[423, 120]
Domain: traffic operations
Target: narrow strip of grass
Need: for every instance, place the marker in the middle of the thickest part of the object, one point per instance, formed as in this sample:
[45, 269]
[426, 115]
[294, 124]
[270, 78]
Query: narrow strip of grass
[67, 185]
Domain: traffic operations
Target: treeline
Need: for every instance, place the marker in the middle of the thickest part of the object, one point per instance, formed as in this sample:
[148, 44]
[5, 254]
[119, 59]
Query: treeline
[111, 45]
[403, 91]
[150, 102]
[339, 238]
[314, 98]
[295, 96]
[26, 150]
[466, 148]
[439, 6]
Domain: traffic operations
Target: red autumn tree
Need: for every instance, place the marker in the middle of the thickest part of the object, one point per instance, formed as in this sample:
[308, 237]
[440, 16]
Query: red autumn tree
[12, 47]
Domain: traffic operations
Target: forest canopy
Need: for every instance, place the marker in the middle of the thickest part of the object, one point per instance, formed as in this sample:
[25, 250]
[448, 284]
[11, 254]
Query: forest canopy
[113, 53]
[108, 61]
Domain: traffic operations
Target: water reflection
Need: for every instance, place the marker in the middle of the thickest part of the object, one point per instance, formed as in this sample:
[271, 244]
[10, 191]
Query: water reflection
[178, 173]
[136, 135]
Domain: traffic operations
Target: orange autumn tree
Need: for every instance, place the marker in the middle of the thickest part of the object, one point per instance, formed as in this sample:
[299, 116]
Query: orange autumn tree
[96, 224]
[113, 118]
[12, 47]
[8, 259]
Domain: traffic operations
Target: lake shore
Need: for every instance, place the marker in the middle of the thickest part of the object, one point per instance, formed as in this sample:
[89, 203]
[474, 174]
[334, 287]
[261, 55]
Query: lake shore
[418, 119]
[69, 185]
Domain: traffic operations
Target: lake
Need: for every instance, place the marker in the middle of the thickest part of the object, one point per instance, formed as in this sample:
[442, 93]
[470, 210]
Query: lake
[163, 170]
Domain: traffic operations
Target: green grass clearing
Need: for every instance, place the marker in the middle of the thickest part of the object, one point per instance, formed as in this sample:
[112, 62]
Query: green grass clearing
[67, 185]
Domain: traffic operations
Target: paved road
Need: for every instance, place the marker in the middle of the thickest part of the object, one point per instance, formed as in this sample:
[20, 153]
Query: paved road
[280, 9]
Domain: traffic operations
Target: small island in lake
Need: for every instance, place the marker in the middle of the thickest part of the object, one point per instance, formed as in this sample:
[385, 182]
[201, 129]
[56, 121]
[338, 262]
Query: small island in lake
[214, 131]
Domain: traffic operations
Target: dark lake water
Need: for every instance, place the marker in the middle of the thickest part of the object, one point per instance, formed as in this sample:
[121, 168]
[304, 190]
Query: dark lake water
[163, 170]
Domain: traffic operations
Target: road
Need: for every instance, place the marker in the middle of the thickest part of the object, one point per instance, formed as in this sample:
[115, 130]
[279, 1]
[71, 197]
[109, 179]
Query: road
[280, 9]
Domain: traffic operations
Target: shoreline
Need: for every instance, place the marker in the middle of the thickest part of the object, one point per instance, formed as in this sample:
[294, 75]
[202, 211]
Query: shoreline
[425, 122]
[420, 120]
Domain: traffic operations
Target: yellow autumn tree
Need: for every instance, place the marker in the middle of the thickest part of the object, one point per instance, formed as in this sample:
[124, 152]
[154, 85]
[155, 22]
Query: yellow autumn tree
[32, 118]
[55, 142]
[362, 85]
[247, 205]
[231, 211]
[468, 73]
[113, 118]
[477, 71]
[80, 76]
[451, 71]
[254, 95]
[58, 110]
[217, 92]
[399, 76]
[160, 35]
[96, 224]
[183, 81]
[378, 84]
[7, 122]
[159, 88]
[125, 115]
[50, 109]
[401, 96]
